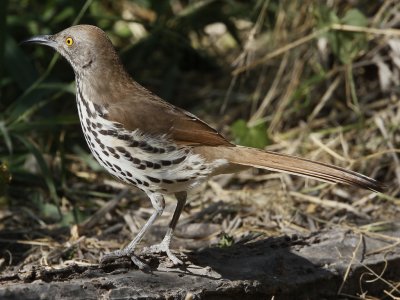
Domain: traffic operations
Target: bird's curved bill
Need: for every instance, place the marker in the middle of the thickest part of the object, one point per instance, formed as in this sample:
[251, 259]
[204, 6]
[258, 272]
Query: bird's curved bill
[40, 39]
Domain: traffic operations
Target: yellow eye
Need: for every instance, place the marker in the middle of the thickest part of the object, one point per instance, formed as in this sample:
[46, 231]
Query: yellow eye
[69, 41]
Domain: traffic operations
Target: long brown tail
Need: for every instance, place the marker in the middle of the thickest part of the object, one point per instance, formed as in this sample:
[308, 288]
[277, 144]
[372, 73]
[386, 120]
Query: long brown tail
[244, 156]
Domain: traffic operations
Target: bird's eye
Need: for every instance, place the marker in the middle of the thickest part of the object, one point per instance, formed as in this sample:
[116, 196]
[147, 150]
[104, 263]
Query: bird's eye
[69, 41]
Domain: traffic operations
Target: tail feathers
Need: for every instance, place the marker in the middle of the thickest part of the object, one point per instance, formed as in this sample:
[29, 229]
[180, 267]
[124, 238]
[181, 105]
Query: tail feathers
[244, 156]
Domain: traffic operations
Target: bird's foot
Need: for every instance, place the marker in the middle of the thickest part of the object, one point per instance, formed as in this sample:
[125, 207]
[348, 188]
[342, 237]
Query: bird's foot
[129, 253]
[163, 247]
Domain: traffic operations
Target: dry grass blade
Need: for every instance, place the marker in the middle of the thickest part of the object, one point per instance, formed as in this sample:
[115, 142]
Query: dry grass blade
[94, 219]
[383, 249]
[381, 125]
[325, 98]
[284, 102]
[376, 31]
[279, 51]
[379, 277]
[328, 203]
[353, 258]
[272, 92]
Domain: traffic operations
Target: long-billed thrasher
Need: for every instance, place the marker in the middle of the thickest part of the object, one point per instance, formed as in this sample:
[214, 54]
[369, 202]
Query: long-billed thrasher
[159, 148]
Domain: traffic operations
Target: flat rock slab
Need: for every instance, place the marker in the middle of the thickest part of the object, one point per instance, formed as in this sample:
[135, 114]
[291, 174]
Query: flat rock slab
[318, 266]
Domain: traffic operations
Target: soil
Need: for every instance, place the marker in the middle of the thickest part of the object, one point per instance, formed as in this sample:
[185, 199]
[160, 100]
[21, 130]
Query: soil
[331, 264]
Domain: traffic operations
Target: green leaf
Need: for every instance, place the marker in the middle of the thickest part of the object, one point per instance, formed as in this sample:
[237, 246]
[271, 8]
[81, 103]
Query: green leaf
[18, 64]
[345, 45]
[3, 31]
[31, 99]
[4, 134]
[5, 178]
[255, 136]
[354, 17]
[87, 158]
[43, 167]
[50, 124]
[226, 240]
[49, 211]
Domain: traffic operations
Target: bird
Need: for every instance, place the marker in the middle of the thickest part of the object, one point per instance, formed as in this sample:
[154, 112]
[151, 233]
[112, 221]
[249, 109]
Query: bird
[155, 146]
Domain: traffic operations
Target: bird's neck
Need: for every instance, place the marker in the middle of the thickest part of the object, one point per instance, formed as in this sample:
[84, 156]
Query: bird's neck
[104, 83]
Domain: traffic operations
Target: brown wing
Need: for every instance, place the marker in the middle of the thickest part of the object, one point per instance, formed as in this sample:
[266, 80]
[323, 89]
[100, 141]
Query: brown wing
[140, 109]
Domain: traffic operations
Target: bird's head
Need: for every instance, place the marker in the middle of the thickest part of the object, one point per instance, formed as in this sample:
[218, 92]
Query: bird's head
[84, 46]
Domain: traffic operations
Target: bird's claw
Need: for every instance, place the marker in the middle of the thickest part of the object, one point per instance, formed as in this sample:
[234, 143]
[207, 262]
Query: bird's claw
[163, 248]
[112, 256]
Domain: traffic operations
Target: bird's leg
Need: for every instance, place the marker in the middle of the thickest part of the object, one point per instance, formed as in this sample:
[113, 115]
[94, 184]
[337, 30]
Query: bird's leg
[157, 200]
[164, 245]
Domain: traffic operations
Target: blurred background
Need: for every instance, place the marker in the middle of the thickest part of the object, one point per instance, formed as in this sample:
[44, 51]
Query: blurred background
[317, 79]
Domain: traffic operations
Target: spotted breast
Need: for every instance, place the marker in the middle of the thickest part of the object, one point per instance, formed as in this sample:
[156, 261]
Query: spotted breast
[150, 163]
